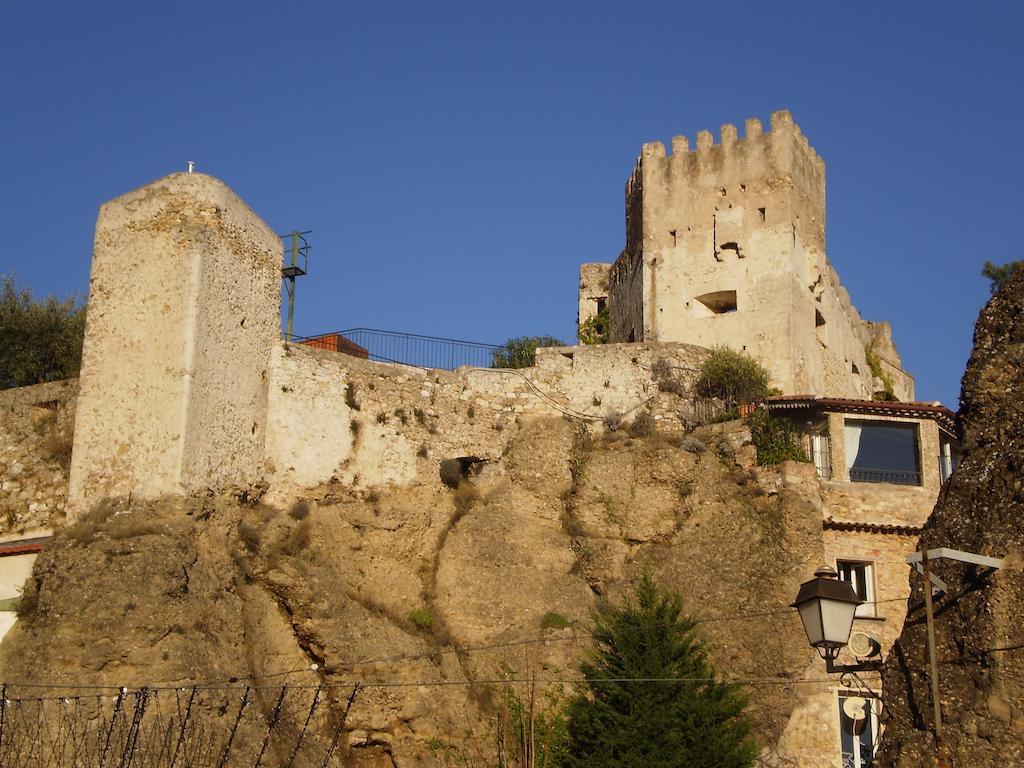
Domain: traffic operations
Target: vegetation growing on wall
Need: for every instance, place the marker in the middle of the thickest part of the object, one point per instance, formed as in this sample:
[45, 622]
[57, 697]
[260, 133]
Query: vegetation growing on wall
[40, 339]
[1000, 273]
[689, 717]
[666, 377]
[521, 351]
[597, 329]
[875, 364]
[732, 376]
[775, 439]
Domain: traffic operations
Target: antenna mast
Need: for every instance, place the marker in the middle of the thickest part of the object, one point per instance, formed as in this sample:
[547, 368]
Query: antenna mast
[295, 267]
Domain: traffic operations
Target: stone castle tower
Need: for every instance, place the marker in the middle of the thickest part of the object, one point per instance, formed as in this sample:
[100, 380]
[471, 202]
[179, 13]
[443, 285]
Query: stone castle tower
[725, 244]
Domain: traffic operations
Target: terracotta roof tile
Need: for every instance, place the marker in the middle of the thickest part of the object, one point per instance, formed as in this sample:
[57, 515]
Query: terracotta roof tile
[890, 528]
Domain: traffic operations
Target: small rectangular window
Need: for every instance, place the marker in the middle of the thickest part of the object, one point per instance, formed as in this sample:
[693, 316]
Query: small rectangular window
[862, 576]
[821, 452]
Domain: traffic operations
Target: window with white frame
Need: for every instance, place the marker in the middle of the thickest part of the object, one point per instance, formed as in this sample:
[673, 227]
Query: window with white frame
[858, 729]
[861, 574]
[821, 452]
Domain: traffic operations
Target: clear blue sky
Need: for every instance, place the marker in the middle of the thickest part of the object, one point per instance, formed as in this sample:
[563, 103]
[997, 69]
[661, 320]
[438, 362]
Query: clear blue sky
[458, 161]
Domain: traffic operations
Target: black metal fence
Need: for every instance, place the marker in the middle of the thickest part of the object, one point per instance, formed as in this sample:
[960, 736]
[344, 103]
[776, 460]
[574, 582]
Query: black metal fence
[896, 477]
[406, 348]
[294, 727]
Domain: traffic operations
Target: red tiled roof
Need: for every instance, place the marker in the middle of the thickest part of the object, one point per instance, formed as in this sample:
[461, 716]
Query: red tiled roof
[935, 411]
[335, 342]
[24, 546]
[890, 528]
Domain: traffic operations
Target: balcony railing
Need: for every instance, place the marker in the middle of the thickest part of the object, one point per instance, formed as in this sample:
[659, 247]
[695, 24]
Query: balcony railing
[404, 348]
[896, 477]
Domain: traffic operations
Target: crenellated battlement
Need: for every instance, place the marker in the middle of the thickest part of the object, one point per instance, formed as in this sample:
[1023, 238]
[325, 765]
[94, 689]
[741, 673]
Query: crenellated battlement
[782, 128]
[714, 161]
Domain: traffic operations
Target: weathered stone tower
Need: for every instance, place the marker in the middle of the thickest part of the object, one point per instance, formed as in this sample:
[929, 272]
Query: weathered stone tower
[183, 313]
[725, 244]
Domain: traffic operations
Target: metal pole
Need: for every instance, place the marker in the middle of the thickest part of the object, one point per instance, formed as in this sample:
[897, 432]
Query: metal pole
[184, 724]
[302, 733]
[291, 285]
[133, 730]
[341, 725]
[270, 726]
[234, 729]
[113, 722]
[932, 661]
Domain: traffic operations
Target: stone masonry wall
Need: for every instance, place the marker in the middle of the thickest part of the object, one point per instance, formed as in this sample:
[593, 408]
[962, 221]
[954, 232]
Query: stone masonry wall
[593, 286]
[36, 426]
[332, 416]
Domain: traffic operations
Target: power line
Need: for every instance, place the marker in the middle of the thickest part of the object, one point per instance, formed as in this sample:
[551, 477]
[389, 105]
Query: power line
[347, 684]
[434, 653]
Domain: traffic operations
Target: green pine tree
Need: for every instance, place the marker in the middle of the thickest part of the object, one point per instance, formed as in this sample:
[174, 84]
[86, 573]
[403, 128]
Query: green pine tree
[652, 698]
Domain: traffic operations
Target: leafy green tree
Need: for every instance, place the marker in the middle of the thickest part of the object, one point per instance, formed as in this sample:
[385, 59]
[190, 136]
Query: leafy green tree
[597, 329]
[521, 351]
[652, 698]
[732, 376]
[40, 340]
[1000, 273]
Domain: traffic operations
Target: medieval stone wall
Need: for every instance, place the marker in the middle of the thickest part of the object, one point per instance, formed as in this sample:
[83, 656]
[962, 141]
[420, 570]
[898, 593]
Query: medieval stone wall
[593, 289]
[332, 416]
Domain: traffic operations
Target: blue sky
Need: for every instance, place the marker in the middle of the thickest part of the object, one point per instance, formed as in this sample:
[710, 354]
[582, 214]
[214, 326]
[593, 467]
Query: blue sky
[458, 161]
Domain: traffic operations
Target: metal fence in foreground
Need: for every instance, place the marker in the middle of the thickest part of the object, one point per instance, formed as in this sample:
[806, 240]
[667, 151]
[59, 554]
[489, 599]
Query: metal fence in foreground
[294, 727]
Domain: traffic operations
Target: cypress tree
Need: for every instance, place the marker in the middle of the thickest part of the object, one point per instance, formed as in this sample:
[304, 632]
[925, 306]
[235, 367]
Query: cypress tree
[652, 698]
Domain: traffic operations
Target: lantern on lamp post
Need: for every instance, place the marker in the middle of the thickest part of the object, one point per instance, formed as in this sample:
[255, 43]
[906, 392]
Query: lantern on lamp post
[827, 607]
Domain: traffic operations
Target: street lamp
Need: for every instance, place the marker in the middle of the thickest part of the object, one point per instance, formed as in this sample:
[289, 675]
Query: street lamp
[827, 607]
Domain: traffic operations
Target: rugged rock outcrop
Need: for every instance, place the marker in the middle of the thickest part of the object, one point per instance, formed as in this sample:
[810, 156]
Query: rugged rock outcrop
[979, 635]
[426, 593]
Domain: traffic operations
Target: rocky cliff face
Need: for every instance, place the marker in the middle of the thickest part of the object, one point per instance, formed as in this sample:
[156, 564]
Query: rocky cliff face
[979, 636]
[428, 593]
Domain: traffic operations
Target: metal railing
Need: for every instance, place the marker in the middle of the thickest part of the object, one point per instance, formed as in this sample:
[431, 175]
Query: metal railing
[893, 476]
[407, 348]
